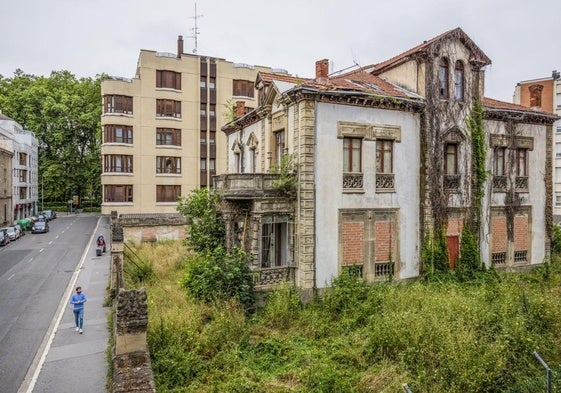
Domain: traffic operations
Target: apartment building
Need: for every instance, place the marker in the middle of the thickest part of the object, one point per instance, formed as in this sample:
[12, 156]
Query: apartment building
[161, 128]
[23, 146]
[545, 94]
[385, 158]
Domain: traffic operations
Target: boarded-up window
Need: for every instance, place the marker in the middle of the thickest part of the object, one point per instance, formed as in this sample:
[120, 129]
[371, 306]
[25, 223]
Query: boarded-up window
[167, 193]
[117, 193]
[353, 243]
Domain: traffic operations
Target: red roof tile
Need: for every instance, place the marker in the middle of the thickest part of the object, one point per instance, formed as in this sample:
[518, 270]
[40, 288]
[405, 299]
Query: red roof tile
[496, 104]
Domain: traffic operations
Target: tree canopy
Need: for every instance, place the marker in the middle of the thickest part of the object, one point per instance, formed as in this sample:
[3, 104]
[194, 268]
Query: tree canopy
[64, 113]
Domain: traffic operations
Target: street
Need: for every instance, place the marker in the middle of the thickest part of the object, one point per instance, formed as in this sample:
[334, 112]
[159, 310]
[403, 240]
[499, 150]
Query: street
[35, 272]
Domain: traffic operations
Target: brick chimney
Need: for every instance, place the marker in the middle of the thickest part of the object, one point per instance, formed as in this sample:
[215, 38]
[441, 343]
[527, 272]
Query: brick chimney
[322, 68]
[179, 46]
[240, 108]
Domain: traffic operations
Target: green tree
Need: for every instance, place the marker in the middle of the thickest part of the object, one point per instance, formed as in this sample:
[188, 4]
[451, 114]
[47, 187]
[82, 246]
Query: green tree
[206, 230]
[64, 113]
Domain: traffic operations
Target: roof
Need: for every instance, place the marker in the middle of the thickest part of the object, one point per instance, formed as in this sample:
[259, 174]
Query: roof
[503, 105]
[477, 54]
[501, 110]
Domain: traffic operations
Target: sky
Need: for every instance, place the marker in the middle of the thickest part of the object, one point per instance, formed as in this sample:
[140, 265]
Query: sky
[90, 37]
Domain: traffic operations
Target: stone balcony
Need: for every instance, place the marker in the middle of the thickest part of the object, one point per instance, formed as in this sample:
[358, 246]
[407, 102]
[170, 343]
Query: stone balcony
[247, 185]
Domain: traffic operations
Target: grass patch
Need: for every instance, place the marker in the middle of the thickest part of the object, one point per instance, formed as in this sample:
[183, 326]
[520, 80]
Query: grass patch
[444, 335]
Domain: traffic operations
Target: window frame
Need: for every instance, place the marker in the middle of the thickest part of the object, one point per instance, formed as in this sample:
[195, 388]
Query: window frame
[168, 108]
[522, 155]
[459, 81]
[243, 88]
[443, 78]
[447, 154]
[381, 151]
[349, 155]
[110, 193]
[110, 134]
[168, 165]
[113, 162]
[167, 193]
[165, 134]
[499, 161]
[166, 79]
[117, 103]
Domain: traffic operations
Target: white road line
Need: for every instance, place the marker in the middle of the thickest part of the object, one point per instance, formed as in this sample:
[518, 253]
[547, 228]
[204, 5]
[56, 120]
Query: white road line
[41, 250]
[56, 237]
[51, 242]
[11, 277]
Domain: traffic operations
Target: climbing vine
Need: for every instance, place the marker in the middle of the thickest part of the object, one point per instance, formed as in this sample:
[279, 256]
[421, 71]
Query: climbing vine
[479, 174]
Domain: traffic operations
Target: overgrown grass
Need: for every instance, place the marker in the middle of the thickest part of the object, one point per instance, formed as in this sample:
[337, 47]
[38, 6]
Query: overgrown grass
[438, 336]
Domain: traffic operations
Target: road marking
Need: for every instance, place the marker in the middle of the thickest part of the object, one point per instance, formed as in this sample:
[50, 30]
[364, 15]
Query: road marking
[11, 277]
[41, 250]
[56, 237]
[51, 242]
[31, 259]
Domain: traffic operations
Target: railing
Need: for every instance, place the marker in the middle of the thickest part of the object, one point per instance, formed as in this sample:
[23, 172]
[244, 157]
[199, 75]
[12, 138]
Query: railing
[385, 181]
[498, 258]
[247, 185]
[499, 183]
[521, 183]
[352, 181]
[452, 182]
[521, 256]
[383, 269]
[274, 275]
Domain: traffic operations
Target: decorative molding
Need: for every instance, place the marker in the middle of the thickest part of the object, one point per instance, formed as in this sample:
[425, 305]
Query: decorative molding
[369, 132]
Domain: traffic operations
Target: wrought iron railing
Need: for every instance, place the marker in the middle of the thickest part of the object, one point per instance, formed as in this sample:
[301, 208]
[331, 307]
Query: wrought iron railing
[452, 182]
[498, 258]
[352, 181]
[521, 183]
[521, 256]
[383, 269]
[499, 183]
[385, 181]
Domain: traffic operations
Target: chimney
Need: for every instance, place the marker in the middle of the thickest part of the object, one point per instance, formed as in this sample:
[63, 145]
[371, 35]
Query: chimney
[240, 108]
[322, 68]
[555, 75]
[179, 46]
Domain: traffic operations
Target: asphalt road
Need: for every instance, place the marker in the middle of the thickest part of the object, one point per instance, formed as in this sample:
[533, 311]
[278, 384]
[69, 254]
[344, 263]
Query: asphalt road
[35, 272]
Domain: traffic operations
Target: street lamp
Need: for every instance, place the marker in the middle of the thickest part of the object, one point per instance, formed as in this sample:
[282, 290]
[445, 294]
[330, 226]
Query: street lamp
[42, 194]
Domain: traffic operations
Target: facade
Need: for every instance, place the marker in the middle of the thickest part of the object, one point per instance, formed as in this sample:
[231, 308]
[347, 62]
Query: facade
[384, 159]
[23, 146]
[6, 155]
[160, 138]
[545, 94]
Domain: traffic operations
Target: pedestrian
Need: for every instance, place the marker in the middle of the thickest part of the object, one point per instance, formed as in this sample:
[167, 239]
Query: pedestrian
[78, 300]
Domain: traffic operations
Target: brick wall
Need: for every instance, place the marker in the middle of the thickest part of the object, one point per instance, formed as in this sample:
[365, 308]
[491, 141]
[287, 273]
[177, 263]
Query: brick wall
[385, 239]
[498, 231]
[353, 242]
[455, 227]
[520, 233]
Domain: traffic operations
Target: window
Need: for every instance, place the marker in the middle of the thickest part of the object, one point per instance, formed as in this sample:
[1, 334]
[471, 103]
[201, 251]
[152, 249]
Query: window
[443, 78]
[202, 82]
[212, 137]
[23, 159]
[212, 83]
[451, 159]
[242, 88]
[535, 96]
[117, 193]
[279, 145]
[212, 110]
[168, 136]
[168, 164]
[168, 79]
[168, 108]
[384, 156]
[253, 160]
[212, 164]
[203, 164]
[237, 162]
[275, 234]
[117, 104]
[23, 193]
[118, 163]
[352, 155]
[459, 81]
[522, 162]
[499, 167]
[202, 111]
[557, 200]
[117, 134]
[167, 193]
[22, 175]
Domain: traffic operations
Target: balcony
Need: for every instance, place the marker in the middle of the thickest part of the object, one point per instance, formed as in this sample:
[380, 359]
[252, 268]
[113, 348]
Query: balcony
[248, 185]
[274, 275]
[521, 183]
[499, 183]
[452, 182]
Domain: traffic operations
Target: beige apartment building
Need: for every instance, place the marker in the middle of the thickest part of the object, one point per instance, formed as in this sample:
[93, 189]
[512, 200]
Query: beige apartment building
[161, 129]
[545, 94]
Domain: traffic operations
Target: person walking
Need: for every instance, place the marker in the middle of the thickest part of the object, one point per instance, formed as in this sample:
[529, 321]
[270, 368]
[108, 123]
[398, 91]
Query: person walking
[78, 300]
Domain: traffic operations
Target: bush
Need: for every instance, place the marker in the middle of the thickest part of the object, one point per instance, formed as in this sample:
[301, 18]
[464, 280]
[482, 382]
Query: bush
[219, 275]
[556, 240]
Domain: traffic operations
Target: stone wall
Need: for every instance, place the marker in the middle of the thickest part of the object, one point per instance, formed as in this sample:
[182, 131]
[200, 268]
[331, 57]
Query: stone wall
[139, 228]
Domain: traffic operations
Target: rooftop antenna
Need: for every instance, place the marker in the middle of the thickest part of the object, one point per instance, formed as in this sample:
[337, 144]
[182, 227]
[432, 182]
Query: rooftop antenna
[195, 29]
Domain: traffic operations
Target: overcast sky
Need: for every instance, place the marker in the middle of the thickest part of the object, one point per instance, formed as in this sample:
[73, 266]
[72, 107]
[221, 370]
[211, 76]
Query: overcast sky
[89, 37]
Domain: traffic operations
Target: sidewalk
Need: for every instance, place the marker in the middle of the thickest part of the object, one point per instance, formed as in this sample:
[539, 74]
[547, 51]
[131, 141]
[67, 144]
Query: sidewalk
[78, 362]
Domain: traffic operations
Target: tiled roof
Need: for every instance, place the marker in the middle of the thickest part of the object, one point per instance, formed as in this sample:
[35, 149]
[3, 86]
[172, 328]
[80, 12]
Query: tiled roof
[503, 105]
[477, 53]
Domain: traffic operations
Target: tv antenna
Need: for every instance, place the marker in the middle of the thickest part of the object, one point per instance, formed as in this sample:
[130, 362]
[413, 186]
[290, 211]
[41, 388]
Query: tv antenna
[195, 29]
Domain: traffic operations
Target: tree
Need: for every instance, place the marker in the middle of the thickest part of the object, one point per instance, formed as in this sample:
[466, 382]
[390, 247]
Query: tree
[64, 113]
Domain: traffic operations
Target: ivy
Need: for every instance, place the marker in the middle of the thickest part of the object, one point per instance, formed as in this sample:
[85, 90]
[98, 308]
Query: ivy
[479, 174]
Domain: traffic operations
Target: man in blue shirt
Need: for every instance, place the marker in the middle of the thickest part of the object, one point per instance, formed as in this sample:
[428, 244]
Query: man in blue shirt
[78, 300]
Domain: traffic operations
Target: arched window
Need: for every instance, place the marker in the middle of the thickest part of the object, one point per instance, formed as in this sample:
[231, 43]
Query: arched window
[459, 81]
[443, 78]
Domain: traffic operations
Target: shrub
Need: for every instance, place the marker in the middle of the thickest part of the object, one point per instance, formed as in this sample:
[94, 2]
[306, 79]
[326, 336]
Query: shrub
[220, 275]
[556, 240]
[469, 261]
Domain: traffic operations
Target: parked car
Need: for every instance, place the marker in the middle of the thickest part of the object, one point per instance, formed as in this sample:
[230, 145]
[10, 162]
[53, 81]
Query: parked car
[19, 230]
[12, 234]
[40, 227]
[4, 238]
[50, 214]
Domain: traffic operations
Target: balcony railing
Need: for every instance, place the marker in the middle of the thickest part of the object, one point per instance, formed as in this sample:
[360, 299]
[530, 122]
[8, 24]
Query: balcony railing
[352, 181]
[247, 185]
[274, 275]
[521, 183]
[452, 182]
[499, 183]
[385, 182]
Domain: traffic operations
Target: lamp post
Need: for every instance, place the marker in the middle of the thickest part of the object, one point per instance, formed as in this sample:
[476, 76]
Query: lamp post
[42, 194]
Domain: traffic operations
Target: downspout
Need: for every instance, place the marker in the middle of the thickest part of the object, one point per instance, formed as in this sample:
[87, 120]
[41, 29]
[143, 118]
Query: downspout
[315, 193]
